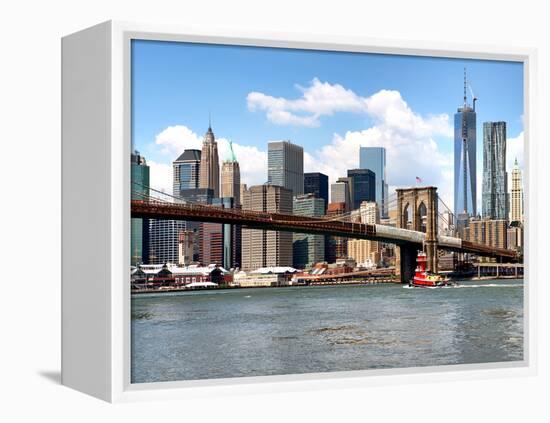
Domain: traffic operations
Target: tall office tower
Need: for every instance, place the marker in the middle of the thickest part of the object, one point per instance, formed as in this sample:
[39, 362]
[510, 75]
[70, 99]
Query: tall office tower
[337, 246]
[465, 192]
[340, 192]
[139, 243]
[185, 171]
[210, 167]
[362, 186]
[516, 199]
[308, 249]
[374, 158]
[262, 248]
[363, 250]
[285, 166]
[231, 178]
[316, 183]
[164, 240]
[201, 196]
[495, 178]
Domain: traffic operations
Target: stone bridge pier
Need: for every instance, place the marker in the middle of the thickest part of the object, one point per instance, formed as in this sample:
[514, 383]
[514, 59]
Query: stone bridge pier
[417, 211]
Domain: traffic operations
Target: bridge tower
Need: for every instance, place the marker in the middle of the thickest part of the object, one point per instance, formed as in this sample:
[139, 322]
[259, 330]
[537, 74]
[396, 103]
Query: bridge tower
[417, 211]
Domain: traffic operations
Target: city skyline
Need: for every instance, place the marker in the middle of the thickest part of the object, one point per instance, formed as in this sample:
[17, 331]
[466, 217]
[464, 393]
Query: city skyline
[328, 110]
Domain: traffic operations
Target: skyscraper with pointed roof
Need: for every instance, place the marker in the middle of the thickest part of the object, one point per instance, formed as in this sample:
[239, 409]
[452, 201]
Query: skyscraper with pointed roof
[465, 179]
[210, 167]
[516, 197]
[231, 178]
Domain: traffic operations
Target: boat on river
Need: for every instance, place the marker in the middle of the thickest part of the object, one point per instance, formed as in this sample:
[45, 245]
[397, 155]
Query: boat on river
[423, 278]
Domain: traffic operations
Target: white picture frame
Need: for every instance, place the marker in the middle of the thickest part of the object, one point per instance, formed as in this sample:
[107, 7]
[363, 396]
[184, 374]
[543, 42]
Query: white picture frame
[96, 207]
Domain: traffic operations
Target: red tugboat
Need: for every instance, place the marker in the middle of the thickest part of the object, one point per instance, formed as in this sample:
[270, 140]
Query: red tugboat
[423, 279]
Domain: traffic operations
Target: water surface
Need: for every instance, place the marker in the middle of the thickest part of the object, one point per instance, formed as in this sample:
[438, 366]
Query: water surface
[274, 331]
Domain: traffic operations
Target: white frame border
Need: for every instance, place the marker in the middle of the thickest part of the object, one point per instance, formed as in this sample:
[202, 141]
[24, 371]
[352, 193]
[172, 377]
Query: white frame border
[121, 389]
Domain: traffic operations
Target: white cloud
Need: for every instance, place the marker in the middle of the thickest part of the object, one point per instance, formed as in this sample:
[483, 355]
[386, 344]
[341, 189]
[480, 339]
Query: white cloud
[325, 99]
[320, 98]
[160, 175]
[514, 149]
[410, 148]
[174, 139]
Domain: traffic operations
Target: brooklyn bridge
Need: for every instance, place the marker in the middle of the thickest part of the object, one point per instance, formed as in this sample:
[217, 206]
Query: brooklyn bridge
[417, 210]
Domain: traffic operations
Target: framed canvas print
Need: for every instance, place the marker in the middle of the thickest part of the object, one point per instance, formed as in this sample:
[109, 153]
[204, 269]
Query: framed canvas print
[262, 212]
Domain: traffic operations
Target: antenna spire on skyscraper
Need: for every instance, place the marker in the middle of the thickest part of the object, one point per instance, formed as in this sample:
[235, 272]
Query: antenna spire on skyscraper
[465, 82]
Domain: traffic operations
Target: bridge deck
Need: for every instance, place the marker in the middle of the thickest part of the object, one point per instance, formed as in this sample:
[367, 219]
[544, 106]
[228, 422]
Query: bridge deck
[303, 224]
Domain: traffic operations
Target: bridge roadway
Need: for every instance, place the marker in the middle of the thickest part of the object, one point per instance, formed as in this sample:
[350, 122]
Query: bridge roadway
[322, 226]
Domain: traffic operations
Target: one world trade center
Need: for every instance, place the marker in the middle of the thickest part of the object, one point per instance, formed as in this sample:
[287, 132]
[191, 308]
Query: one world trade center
[465, 195]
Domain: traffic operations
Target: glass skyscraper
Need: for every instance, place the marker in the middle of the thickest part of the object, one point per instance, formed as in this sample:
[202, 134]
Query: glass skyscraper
[465, 192]
[139, 239]
[362, 186]
[186, 169]
[495, 178]
[308, 249]
[285, 166]
[374, 158]
[316, 183]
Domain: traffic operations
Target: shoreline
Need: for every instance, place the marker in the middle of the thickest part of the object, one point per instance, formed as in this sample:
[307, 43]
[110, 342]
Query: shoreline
[349, 283]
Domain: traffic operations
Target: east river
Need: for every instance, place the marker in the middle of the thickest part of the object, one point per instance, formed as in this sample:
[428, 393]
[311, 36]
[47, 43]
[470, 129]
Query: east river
[274, 331]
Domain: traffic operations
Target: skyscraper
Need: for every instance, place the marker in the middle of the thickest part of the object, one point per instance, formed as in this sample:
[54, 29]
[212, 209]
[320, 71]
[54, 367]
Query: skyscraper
[185, 186]
[164, 240]
[210, 167]
[363, 187]
[231, 178]
[285, 166]
[220, 242]
[362, 250]
[185, 171]
[465, 193]
[308, 249]
[516, 199]
[495, 178]
[139, 244]
[340, 193]
[336, 247]
[316, 183]
[262, 248]
[374, 158]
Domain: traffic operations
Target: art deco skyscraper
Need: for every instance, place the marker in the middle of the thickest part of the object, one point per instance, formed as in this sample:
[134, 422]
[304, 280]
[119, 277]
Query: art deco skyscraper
[516, 200]
[495, 178]
[465, 192]
[231, 178]
[285, 166]
[210, 167]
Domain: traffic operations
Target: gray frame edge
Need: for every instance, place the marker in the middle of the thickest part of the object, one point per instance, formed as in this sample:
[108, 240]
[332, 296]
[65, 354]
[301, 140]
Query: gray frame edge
[86, 211]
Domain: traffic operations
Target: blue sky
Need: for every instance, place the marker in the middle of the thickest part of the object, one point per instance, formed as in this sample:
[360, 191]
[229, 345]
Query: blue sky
[328, 102]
